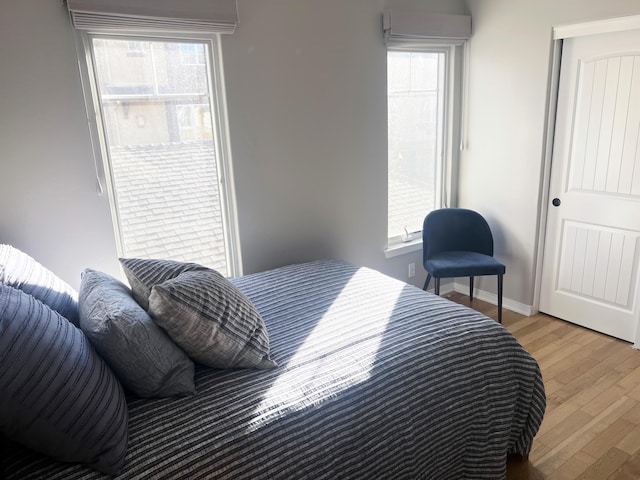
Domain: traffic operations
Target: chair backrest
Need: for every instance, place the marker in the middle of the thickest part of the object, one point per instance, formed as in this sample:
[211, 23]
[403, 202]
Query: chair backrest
[458, 229]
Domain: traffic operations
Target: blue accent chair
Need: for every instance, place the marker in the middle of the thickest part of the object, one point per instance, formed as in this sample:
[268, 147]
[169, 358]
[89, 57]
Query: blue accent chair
[457, 242]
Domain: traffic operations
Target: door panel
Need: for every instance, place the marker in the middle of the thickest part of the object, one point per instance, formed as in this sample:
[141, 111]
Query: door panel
[591, 256]
[587, 250]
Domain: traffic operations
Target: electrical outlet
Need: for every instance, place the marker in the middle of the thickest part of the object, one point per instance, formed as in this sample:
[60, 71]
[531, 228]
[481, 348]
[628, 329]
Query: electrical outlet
[412, 270]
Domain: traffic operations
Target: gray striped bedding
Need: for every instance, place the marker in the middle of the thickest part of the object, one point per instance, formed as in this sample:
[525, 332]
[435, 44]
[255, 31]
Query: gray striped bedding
[375, 379]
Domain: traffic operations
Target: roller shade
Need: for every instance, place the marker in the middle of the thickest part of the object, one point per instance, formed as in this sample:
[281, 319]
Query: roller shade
[403, 27]
[180, 16]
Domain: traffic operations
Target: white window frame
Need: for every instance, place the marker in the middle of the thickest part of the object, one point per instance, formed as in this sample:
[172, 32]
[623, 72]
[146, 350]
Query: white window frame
[449, 138]
[219, 122]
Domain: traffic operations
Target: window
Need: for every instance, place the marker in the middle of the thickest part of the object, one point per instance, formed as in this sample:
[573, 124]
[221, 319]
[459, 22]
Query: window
[135, 48]
[194, 122]
[191, 54]
[420, 111]
[162, 139]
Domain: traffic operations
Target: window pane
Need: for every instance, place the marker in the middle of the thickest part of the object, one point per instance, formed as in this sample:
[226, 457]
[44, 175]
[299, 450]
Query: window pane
[157, 115]
[413, 128]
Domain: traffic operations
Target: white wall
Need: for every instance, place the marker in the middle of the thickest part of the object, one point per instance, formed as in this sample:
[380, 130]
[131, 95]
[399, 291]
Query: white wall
[306, 84]
[501, 170]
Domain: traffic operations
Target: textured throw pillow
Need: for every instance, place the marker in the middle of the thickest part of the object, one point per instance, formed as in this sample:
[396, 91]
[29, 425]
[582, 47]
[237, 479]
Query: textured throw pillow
[19, 270]
[57, 396]
[211, 320]
[205, 314]
[143, 357]
[143, 274]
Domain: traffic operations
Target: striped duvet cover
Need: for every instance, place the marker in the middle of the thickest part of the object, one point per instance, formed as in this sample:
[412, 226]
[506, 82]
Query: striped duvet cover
[376, 379]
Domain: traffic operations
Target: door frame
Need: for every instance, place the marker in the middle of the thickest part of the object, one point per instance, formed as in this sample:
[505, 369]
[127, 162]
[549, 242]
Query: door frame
[559, 34]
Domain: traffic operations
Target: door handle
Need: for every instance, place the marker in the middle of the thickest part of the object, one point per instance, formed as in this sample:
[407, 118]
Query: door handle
[556, 202]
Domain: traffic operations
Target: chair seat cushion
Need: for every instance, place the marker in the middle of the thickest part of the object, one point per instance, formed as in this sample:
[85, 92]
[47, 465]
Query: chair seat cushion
[462, 264]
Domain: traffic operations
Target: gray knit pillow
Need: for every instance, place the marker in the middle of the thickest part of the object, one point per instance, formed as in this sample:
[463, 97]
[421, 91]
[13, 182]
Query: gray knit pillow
[19, 270]
[57, 396]
[143, 357]
[211, 320]
[144, 273]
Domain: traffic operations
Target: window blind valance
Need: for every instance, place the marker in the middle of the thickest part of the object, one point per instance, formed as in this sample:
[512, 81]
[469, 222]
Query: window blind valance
[402, 27]
[178, 16]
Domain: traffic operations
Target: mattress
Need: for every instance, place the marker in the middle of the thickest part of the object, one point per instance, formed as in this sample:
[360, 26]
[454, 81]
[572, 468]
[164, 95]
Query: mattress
[375, 379]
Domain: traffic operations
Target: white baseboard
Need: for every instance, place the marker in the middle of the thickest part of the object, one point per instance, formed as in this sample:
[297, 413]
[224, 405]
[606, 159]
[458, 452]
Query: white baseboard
[507, 303]
[445, 289]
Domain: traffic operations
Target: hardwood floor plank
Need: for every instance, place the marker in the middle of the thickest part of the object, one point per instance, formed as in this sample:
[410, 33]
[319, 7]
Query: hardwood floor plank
[623, 359]
[542, 334]
[609, 349]
[620, 475]
[605, 466]
[631, 442]
[634, 392]
[612, 413]
[569, 374]
[554, 416]
[515, 324]
[567, 426]
[558, 361]
[630, 470]
[601, 378]
[549, 349]
[631, 380]
[632, 415]
[604, 399]
[631, 362]
[573, 467]
[552, 386]
[608, 439]
[581, 335]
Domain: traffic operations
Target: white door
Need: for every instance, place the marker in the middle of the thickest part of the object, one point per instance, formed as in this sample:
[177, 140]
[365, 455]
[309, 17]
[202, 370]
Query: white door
[592, 247]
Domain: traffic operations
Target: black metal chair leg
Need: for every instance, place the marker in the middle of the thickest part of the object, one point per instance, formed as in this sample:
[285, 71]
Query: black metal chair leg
[426, 282]
[437, 290]
[499, 298]
[471, 289]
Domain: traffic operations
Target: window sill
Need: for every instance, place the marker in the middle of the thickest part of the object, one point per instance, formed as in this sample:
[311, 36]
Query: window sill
[402, 248]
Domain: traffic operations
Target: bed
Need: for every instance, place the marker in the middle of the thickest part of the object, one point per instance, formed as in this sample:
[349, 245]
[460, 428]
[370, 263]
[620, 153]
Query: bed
[375, 379]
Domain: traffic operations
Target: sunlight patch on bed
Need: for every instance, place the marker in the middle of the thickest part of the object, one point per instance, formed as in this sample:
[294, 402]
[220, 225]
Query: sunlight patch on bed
[337, 355]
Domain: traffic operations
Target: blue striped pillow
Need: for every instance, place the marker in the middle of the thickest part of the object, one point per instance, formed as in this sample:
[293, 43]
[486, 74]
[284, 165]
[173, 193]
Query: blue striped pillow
[57, 396]
[19, 270]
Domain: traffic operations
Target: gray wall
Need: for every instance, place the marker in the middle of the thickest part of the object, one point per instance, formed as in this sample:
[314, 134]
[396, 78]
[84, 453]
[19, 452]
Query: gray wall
[48, 201]
[306, 95]
[501, 170]
[306, 85]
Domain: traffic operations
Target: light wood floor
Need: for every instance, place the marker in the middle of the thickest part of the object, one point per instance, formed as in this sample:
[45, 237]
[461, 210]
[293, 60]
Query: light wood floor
[591, 428]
